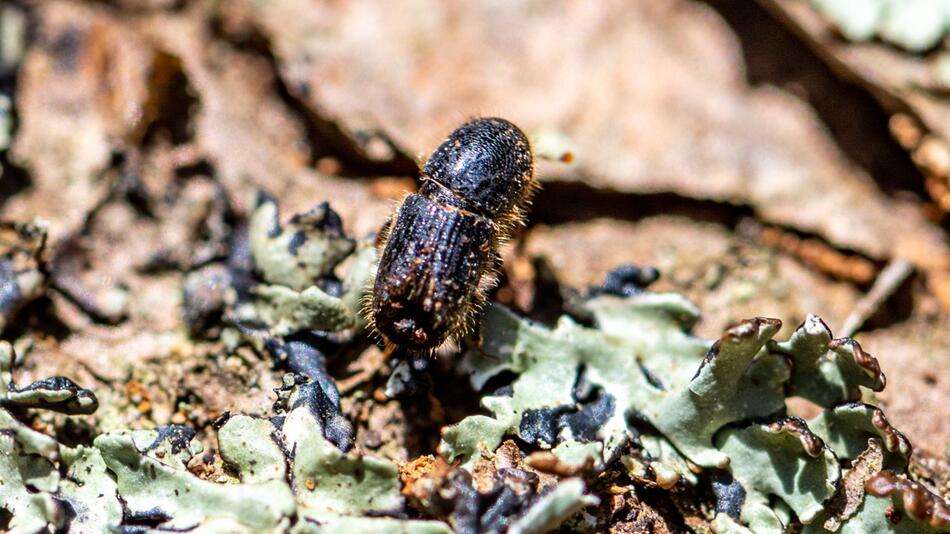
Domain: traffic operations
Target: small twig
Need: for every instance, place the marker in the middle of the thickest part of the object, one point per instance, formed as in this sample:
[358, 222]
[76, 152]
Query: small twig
[884, 286]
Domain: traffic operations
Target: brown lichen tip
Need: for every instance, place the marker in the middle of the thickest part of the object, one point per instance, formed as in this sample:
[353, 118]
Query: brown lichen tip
[744, 329]
[919, 502]
[812, 444]
[750, 327]
[894, 440]
[864, 360]
[548, 462]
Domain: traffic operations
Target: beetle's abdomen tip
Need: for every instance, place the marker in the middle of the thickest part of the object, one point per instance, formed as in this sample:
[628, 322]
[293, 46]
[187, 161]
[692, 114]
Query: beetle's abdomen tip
[408, 329]
[408, 326]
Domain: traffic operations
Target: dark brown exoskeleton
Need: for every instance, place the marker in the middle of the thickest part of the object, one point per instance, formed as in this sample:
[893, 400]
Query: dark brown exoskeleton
[441, 251]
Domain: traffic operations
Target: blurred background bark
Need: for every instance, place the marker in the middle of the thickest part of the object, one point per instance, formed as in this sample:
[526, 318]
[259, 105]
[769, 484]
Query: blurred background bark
[762, 162]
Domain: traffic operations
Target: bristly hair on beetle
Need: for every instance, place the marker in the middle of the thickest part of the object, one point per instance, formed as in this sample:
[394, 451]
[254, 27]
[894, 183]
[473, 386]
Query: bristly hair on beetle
[439, 251]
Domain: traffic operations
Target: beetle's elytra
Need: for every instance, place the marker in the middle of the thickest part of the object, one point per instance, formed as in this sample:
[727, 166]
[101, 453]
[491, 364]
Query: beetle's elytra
[441, 250]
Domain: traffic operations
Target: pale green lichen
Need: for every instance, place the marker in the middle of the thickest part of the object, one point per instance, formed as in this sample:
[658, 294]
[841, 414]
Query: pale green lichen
[725, 410]
[31, 511]
[825, 371]
[57, 393]
[150, 486]
[326, 490]
[802, 481]
[301, 251]
[846, 429]
[288, 311]
[331, 489]
[873, 515]
[547, 362]
[552, 509]
[255, 459]
[90, 490]
[296, 264]
[32, 489]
